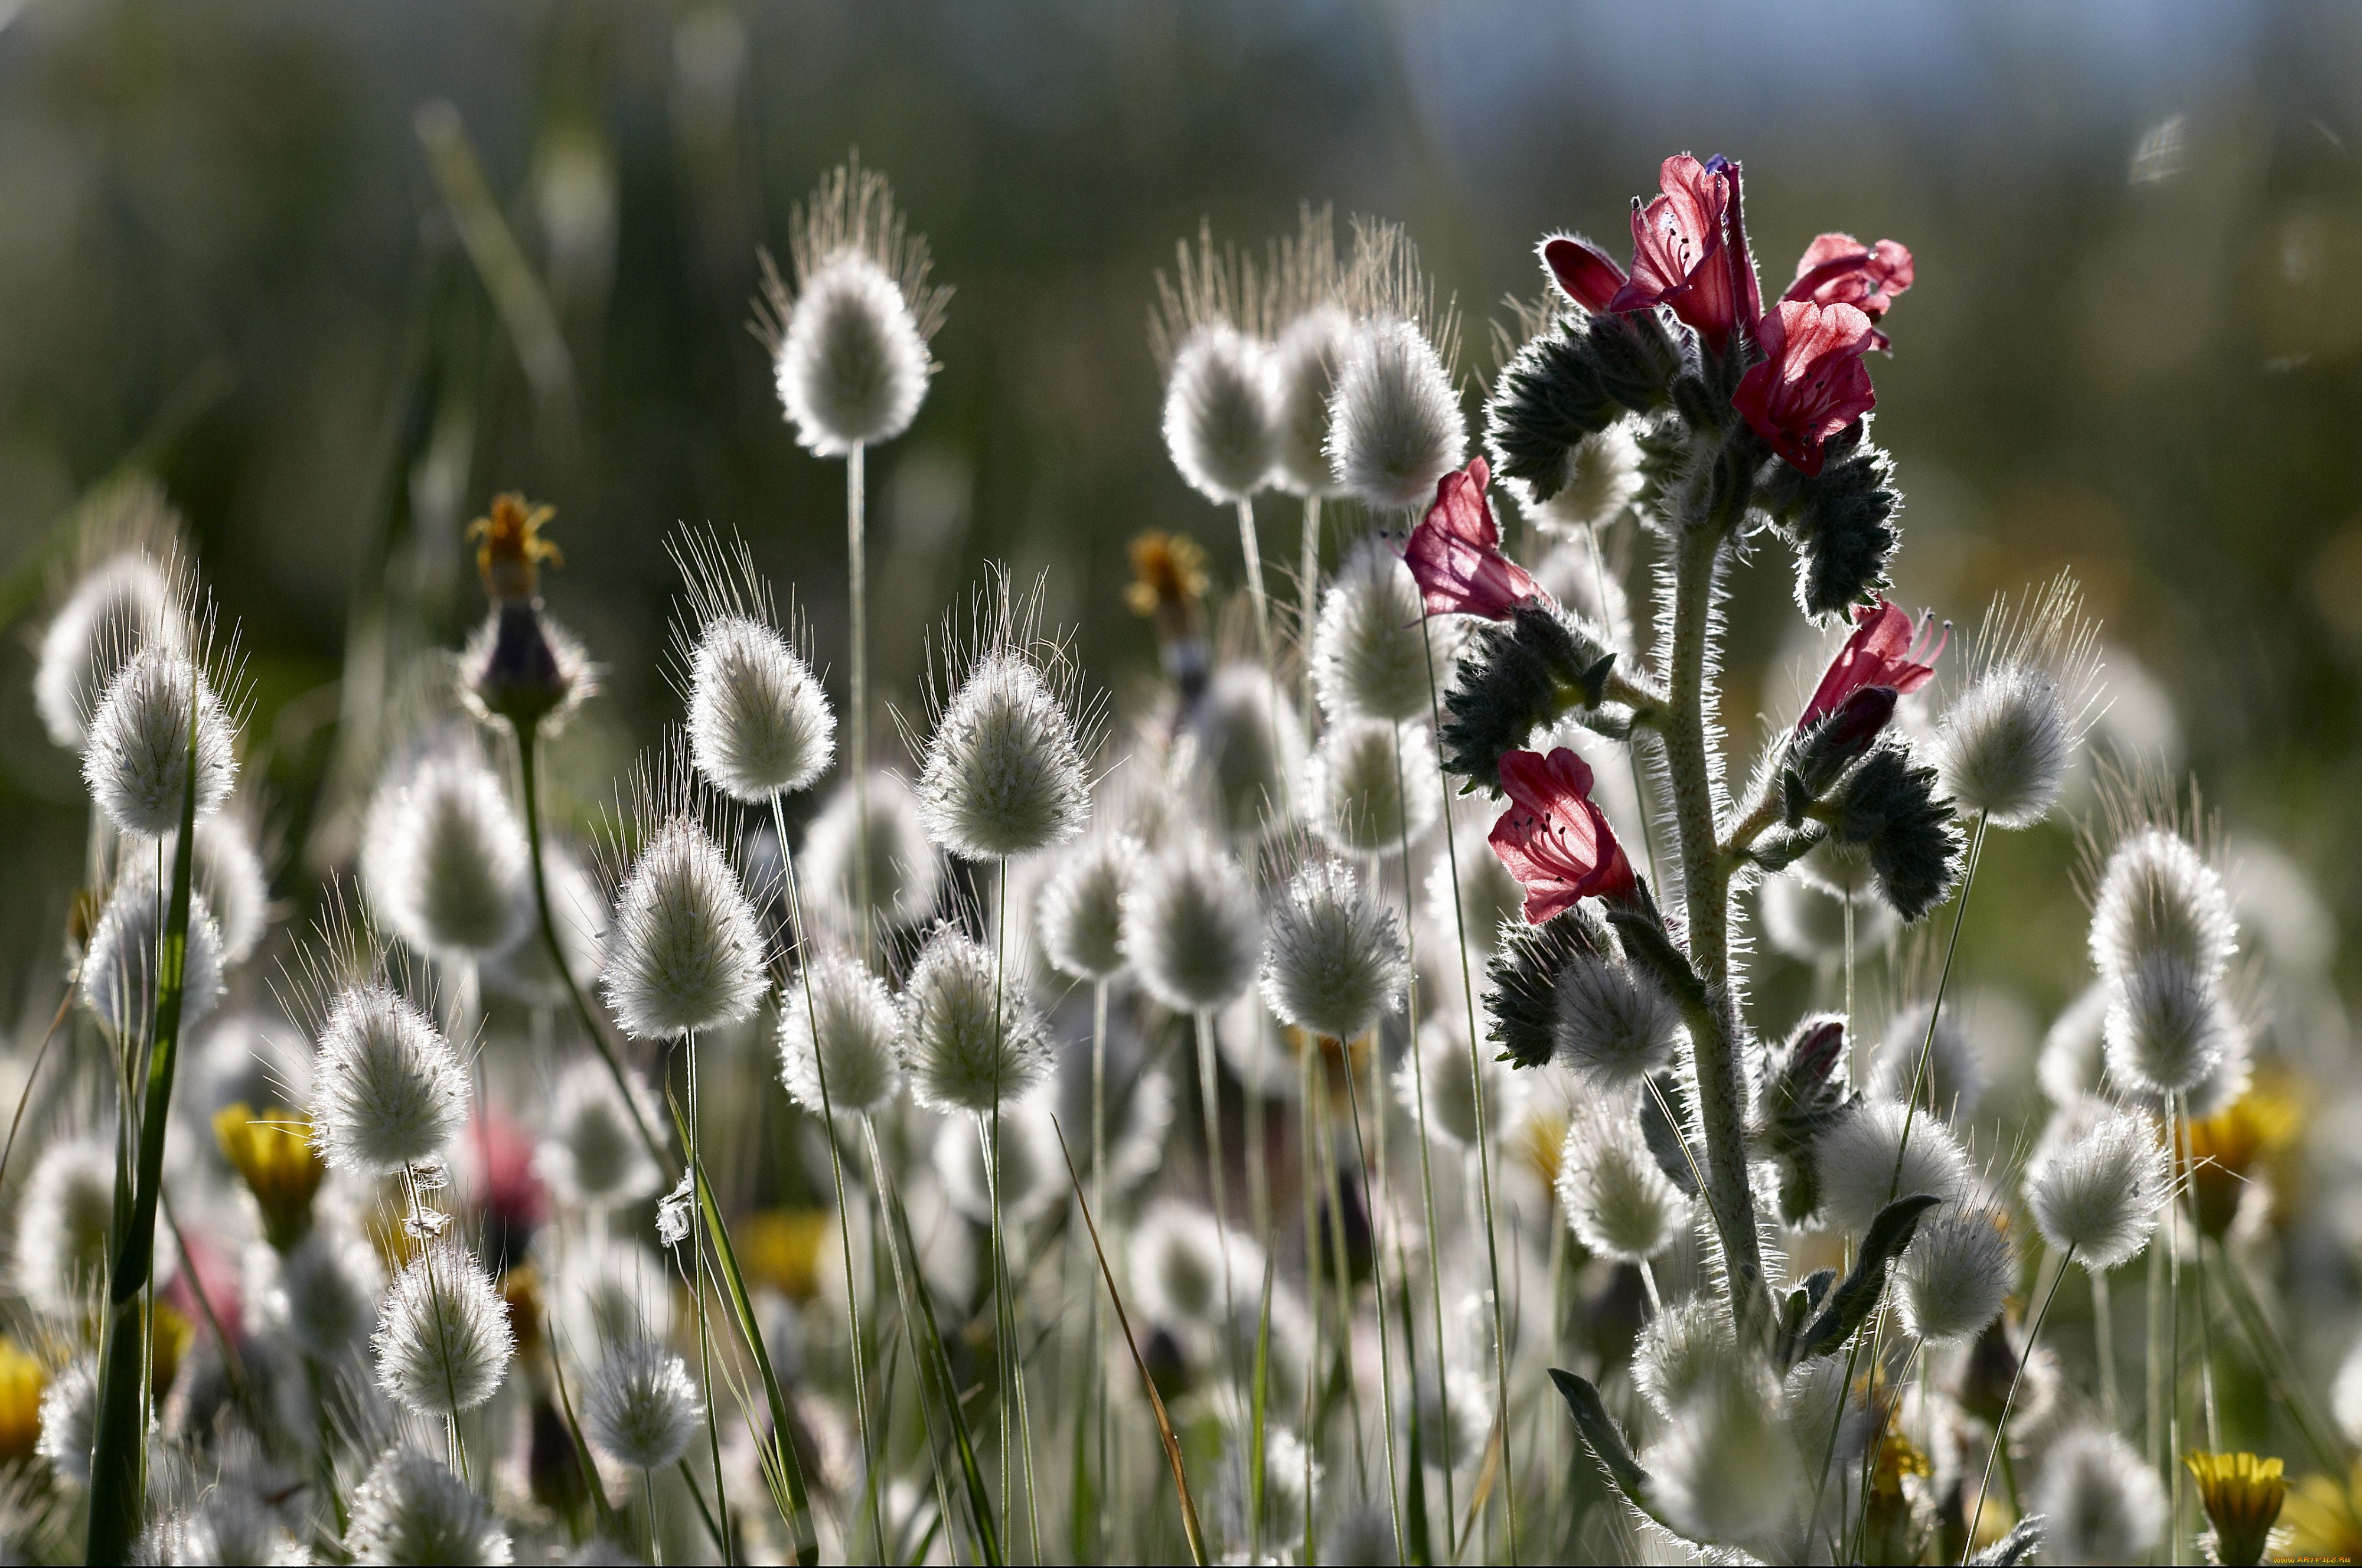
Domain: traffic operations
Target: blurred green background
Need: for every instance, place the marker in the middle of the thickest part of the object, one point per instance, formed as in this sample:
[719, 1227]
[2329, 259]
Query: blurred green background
[2132, 347]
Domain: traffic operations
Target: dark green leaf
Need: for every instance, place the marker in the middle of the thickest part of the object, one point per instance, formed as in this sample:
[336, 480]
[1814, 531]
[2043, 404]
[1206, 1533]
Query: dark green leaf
[1852, 1302]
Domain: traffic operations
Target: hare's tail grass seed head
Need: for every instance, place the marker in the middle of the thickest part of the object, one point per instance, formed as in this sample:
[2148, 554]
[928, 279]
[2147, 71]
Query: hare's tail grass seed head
[1211, 330]
[759, 726]
[840, 1019]
[1395, 425]
[688, 949]
[2005, 744]
[1312, 333]
[970, 1037]
[131, 588]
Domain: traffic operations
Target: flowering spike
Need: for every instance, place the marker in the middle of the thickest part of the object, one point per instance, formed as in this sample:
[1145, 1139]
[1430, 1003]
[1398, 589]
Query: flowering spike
[1887, 649]
[1553, 839]
[1812, 382]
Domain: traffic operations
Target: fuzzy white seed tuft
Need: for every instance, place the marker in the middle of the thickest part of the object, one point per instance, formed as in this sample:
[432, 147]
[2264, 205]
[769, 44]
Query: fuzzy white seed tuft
[841, 1017]
[1177, 1267]
[2004, 747]
[2099, 1500]
[1369, 652]
[443, 1340]
[389, 1092]
[118, 969]
[688, 949]
[1394, 423]
[2070, 1063]
[1439, 1072]
[1865, 1164]
[2167, 1028]
[1373, 785]
[1614, 1026]
[1245, 751]
[229, 872]
[1304, 365]
[2098, 1193]
[69, 1420]
[1730, 1470]
[411, 1509]
[592, 1154]
[58, 1263]
[904, 871]
[759, 726]
[970, 1037]
[444, 858]
[1221, 413]
[1602, 478]
[642, 1409]
[1079, 916]
[1682, 1353]
[137, 763]
[1489, 897]
[1952, 1081]
[1333, 957]
[1191, 931]
[1004, 772]
[1616, 1196]
[120, 607]
[1032, 1174]
[2158, 898]
[1956, 1274]
[323, 1292]
[853, 363]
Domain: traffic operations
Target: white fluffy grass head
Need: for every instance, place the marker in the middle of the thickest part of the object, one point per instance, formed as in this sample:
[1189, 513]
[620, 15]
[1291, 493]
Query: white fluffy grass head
[1438, 1073]
[1616, 1196]
[1374, 786]
[849, 343]
[1177, 1270]
[1003, 772]
[444, 858]
[122, 604]
[443, 1341]
[1602, 478]
[1394, 423]
[1956, 1273]
[1032, 1170]
[1369, 652]
[323, 1292]
[643, 1408]
[137, 762]
[1305, 360]
[59, 1260]
[2098, 1193]
[388, 1091]
[1079, 915]
[591, 1155]
[905, 874]
[1244, 750]
[2158, 898]
[1729, 1471]
[1334, 961]
[759, 726]
[412, 1508]
[2070, 1064]
[1613, 1026]
[841, 1020]
[2005, 744]
[607, 1292]
[1222, 398]
[2098, 1499]
[70, 1420]
[1682, 1353]
[1953, 1080]
[969, 1036]
[1865, 1164]
[1489, 896]
[119, 967]
[1191, 930]
[686, 949]
[2169, 1028]
[1806, 923]
[229, 872]
[581, 914]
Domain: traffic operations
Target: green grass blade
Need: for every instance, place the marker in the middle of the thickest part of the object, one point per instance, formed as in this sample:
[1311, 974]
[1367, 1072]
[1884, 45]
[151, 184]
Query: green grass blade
[598, 1490]
[935, 1361]
[1259, 1453]
[119, 1459]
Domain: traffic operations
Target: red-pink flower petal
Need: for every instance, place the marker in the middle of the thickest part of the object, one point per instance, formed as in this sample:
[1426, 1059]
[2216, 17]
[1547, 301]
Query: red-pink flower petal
[1838, 268]
[1685, 253]
[1583, 272]
[1887, 648]
[1455, 555]
[1812, 382]
[1553, 840]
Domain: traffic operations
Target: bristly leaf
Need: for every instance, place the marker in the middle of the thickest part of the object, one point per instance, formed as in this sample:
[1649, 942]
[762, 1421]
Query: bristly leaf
[1572, 380]
[1803, 1094]
[1663, 1134]
[1889, 806]
[2021, 1542]
[1603, 1438]
[1841, 522]
[1649, 948]
[1521, 1007]
[1852, 1302]
[1516, 677]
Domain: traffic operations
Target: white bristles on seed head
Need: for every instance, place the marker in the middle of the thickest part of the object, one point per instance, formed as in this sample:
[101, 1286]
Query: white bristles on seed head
[443, 1340]
[1617, 1197]
[905, 873]
[1334, 961]
[607, 1292]
[1222, 398]
[1956, 1273]
[2169, 1028]
[389, 1092]
[59, 1260]
[120, 606]
[1243, 750]
[686, 949]
[1396, 427]
[1177, 1271]
[839, 1017]
[2098, 1193]
[1614, 1026]
[412, 1508]
[1369, 652]
[1682, 1353]
[1314, 333]
[69, 1421]
[1079, 915]
[1032, 1174]
[1952, 1081]
[137, 762]
[1438, 1073]
[444, 858]
[2005, 744]
[759, 726]
[849, 343]
[2099, 1500]
[2158, 898]
[643, 1408]
[228, 871]
[118, 968]
[1191, 930]
[2070, 1064]
[1374, 786]
[1730, 1469]
[969, 1036]
[1856, 1159]
[592, 1154]
[323, 1292]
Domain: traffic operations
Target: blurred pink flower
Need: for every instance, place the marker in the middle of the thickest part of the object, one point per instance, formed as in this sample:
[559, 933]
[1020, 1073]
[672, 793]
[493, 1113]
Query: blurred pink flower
[1553, 840]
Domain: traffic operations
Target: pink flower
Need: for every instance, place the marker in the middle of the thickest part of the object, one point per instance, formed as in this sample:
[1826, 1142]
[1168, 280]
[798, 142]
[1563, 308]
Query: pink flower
[1689, 250]
[496, 1160]
[1812, 382]
[1886, 651]
[1455, 552]
[1553, 840]
[1838, 268]
[218, 1277]
[1583, 272]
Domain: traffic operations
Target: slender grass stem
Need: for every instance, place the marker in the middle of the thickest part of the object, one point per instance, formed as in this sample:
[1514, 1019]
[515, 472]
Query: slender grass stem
[1307, 593]
[856, 712]
[1218, 1184]
[1936, 1008]
[1011, 1351]
[2009, 1402]
[1099, 1389]
[697, 1286]
[2104, 1335]
[1378, 1281]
